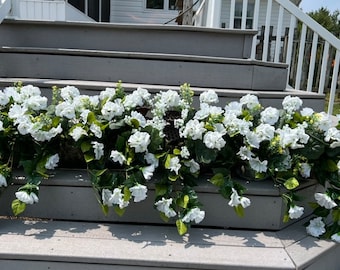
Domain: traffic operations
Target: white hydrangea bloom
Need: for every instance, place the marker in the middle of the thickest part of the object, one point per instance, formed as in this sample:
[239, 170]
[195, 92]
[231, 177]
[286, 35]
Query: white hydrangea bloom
[138, 192]
[163, 206]
[139, 141]
[209, 97]
[295, 212]
[26, 198]
[316, 227]
[324, 200]
[52, 162]
[194, 214]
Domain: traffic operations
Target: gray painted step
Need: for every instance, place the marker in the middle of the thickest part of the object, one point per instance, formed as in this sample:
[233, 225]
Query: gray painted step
[267, 98]
[167, 39]
[144, 68]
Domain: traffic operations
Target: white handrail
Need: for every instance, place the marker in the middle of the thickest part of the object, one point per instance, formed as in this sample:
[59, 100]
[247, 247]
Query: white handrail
[5, 8]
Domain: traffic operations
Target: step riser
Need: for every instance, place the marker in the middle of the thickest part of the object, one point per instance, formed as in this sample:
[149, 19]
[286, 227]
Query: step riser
[132, 38]
[233, 75]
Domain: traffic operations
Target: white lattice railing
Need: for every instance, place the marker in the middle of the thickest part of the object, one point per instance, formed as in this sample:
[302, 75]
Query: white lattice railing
[286, 35]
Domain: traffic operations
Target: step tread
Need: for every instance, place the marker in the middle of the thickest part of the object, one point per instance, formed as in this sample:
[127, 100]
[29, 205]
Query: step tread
[101, 85]
[158, 246]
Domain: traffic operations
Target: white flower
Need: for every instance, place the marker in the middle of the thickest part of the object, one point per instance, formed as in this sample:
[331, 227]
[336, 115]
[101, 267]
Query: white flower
[108, 93]
[193, 165]
[112, 109]
[295, 212]
[291, 104]
[293, 137]
[324, 200]
[307, 112]
[174, 165]
[52, 162]
[333, 135]
[265, 132]
[194, 214]
[16, 111]
[95, 129]
[98, 149]
[4, 99]
[26, 198]
[209, 97]
[65, 109]
[117, 156]
[323, 121]
[251, 101]
[214, 140]
[116, 197]
[305, 170]
[138, 192]
[151, 159]
[236, 200]
[3, 181]
[270, 115]
[136, 116]
[193, 130]
[233, 107]
[68, 93]
[140, 141]
[36, 103]
[1, 126]
[245, 153]
[185, 152]
[77, 133]
[163, 206]
[148, 171]
[257, 165]
[316, 227]
[336, 237]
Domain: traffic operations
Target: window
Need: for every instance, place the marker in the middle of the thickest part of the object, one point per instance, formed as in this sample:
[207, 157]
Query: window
[99, 10]
[238, 14]
[161, 4]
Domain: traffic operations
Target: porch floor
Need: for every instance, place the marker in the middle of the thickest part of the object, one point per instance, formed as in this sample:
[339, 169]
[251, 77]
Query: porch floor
[47, 244]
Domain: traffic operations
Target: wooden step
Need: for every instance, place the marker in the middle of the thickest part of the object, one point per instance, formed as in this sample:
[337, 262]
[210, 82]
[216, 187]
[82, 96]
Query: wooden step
[267, 98]
[144, 68]
[166, 39]
[45, 244]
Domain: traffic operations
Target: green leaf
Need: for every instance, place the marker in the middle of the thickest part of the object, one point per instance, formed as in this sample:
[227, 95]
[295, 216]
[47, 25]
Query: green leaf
[177, 152]
[105, 209]
[119, 211]
[217, 180]
[134, 123]
[85, 146]
[173, 178]
[91, 117]
[18, 207]
[127, 193]
[183, 201]
[291, 183]
[331, 166]
[88, 157]
[181, 227]
[336, 215]
[164, 217]
[167, 161]
[285, 218]
[239, 210]
[161, 190]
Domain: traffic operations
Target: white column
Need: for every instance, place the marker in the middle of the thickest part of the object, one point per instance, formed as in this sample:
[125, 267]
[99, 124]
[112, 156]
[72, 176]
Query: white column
[214, 13]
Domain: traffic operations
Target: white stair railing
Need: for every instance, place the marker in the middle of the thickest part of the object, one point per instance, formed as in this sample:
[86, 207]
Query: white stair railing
[5, 7]
[287, 35]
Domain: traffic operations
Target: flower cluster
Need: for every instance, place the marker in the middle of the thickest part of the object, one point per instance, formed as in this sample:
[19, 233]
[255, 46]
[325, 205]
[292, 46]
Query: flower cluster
[130, 141]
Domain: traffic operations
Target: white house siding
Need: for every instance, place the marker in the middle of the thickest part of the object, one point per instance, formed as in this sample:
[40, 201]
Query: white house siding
[134, 11]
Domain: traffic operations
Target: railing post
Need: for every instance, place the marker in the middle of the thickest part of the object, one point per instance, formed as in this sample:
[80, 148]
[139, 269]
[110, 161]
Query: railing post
[214, 13]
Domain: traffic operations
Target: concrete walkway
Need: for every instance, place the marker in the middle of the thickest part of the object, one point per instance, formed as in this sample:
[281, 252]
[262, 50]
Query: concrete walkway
[30, 244]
